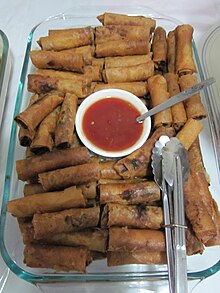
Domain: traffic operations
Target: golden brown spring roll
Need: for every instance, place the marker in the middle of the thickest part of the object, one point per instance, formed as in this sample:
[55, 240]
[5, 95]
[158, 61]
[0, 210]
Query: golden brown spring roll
[193, 105]
[158, 91]
[216, 217]
[138, 216]
[69, 31]
[31, 167]
[64, 221]
[123, 61]
[67, 40]
[89, 190]
[62, 178]
[27, 230]
[171, 51]
[130, 73]
[130, 240]
[178, 110]
[33, 188]
[137, 164]
[34, 114]
[195, 158]
[107, 170]
[59, 258]
[57, 60]
[193, 244]
[26, 136]
[135, 257]
[98, 61]
[94, 239]
[43, 139]
[184, 54]
[43, 84]
[138, 88]
[159, 48]
[122, 48]
[195, 208]
[66, 121]
[94, 72]
[86, 51]
[121, 32]
[129, 193]
[189, 133]
[122, 19]
[46, 202]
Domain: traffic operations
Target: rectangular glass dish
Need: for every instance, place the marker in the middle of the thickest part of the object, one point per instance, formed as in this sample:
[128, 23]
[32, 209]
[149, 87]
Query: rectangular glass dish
[199, 266]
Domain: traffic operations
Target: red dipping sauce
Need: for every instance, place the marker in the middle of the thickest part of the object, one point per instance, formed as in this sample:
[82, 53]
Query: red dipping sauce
[111, 124]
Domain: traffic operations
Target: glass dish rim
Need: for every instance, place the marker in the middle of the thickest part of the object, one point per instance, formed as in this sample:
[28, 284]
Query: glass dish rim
[34, 278]
[5, 49]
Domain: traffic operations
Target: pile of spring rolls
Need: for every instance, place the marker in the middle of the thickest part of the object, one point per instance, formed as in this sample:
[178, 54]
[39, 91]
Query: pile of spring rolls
[78, 207]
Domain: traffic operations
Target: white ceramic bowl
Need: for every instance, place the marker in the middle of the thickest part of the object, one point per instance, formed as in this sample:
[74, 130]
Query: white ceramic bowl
[105, 94]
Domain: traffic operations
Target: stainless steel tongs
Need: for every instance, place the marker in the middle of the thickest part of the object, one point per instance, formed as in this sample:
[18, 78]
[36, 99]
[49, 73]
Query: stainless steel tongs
[172, 157]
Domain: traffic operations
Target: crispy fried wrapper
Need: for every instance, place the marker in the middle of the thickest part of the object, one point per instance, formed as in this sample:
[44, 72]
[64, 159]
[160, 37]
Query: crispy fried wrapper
[171, 52]
[32, 166]
[193, 106]
[129, 193]
[87, 53]
[35, 113]
[59, 258]
[122, 19]
[66, 121]
[46, 202]
[62, 178]
[133, 216]
[159, 48]
[64, 221]
[129, 73]
[137, 164]
[157, 86]
[43, 139]
[184, 52]
[127, 60]
[178, 111]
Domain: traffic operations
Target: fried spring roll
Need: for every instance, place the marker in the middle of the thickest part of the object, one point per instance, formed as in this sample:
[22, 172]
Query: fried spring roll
[195, 208]
[193, 244]
[98, 61]
[67, 40]
[26, 136]
[195, 158]
[34, 114]
[159, 48]
[69, 31]
[89, 190]
[216, 217]
[86, 51]
[138, 88]
[130, 73]
[129, 193]
[193, 105]
[94, 72]
[66, 121]
[57, 60]
[135, 257]
[184, 54]
[64, 221]
[27, 230]
[139, 216]
[44, 84]
[130, 240]
[171, 51]
[94, 239]
[43, 139]
[46, 202]
[33, 188]
[62, 178]
[158, 91]
[121, 32]
[126, 60]
[122, 48]
[107, 170]
[178, 110]
[189, 133]
[31, 167]
[59, 258]
[122, 19]
[137, 164]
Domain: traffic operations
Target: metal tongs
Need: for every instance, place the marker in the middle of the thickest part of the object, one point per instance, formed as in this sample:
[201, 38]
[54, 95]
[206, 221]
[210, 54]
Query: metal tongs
[170, 168]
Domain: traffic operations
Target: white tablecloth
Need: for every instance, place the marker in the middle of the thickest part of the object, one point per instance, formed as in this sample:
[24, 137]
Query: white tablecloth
[17, 17]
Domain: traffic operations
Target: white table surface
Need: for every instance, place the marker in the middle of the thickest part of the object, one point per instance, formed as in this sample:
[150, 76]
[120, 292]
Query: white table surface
[17, 17]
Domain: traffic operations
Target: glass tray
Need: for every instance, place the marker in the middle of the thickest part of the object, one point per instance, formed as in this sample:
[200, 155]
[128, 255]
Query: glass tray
[5, 66]
[199, 266]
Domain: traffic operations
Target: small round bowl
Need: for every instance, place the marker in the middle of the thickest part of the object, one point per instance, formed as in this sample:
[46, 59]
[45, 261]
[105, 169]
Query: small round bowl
[105, 94]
